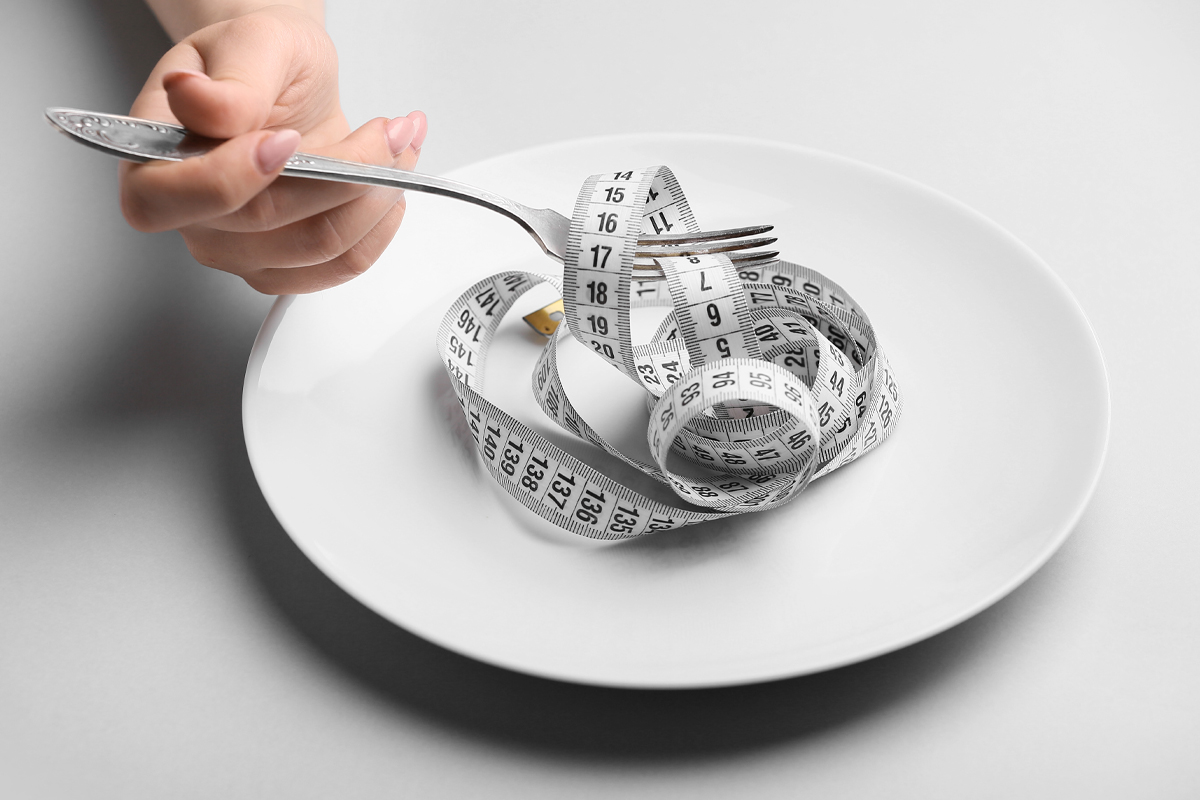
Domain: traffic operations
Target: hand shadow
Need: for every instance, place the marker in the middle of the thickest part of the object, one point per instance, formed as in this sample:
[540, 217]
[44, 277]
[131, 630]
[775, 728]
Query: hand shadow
[138, 41]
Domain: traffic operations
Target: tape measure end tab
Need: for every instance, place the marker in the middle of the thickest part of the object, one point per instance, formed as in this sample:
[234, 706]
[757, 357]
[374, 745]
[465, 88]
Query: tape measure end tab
[546, 320]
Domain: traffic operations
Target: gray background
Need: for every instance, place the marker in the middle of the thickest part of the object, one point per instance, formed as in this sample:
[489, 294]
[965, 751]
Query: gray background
[161, 636]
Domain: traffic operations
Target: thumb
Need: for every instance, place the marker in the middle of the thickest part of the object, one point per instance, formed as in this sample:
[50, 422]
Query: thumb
[247, 64]
[221, 109]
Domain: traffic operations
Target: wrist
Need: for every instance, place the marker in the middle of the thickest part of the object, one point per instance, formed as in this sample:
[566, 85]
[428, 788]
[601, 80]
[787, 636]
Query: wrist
[181, 18]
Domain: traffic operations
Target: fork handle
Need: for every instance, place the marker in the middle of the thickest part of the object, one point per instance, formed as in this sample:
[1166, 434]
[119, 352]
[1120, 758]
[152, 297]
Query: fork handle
[144, 140]
[304, 165]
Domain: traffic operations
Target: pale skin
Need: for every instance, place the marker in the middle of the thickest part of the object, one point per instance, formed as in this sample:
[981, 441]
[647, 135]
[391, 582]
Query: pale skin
[264, 76]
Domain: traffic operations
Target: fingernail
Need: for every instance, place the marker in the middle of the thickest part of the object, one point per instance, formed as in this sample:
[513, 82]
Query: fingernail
[421, 127]
[275, 150]
[400, 133]
[179, 74]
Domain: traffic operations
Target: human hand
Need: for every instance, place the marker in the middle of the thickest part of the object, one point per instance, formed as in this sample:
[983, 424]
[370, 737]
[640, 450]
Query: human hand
[267, 81]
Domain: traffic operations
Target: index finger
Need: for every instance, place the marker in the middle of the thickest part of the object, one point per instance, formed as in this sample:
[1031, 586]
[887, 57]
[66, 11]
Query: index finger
[162, 195]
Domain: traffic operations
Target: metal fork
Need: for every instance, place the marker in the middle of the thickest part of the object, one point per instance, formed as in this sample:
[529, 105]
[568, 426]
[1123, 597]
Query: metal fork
[147, 140]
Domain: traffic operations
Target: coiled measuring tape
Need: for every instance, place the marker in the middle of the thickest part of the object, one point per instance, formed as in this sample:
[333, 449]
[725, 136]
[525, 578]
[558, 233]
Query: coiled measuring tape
[769, 377]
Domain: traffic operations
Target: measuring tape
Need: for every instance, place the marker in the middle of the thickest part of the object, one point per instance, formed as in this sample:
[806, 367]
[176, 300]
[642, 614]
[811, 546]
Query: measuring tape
[768, 378]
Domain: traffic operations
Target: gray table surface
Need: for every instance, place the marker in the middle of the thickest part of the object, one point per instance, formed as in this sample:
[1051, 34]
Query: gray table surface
[160, 635]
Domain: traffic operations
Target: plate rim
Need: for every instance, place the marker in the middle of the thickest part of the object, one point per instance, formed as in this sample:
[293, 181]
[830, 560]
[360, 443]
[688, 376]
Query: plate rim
[278, 310]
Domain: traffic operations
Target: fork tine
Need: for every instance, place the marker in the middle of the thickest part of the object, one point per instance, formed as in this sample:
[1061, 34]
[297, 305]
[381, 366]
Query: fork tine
[739, 260]
[754, 259]
[719, 246]
[705, 236]
[732, 241]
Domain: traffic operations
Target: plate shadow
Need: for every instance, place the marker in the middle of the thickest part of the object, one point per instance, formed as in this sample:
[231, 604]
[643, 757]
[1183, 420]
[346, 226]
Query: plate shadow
[571, 720]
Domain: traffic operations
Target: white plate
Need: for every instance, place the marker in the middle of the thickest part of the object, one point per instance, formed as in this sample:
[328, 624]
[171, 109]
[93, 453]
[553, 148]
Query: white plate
[357, 444]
